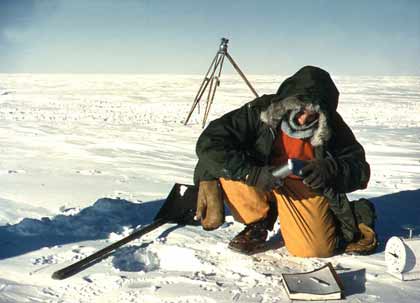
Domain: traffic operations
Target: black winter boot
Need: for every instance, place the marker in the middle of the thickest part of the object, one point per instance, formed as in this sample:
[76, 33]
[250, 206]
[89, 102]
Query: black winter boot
[366, 244]
[251, 240]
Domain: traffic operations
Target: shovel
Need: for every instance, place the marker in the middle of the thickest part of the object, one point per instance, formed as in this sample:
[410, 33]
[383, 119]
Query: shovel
[179, 207]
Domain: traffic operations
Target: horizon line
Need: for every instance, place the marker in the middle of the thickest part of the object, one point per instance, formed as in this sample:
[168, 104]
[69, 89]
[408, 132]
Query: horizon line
[197, 74]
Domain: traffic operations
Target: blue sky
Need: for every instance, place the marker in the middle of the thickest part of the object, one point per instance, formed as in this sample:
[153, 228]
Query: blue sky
[359, 37]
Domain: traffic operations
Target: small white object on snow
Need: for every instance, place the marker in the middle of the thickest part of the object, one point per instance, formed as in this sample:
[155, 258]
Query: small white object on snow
[402, 257]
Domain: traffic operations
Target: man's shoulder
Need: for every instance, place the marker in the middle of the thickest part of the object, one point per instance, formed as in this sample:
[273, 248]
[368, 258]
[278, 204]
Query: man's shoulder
[261, 102]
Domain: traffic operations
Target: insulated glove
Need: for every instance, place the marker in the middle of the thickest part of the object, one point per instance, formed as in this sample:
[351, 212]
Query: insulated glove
[262, 178]
[210, 208]
[318, 174]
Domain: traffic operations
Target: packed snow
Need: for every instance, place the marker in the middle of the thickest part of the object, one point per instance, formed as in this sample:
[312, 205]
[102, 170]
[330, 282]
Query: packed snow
[87, 159]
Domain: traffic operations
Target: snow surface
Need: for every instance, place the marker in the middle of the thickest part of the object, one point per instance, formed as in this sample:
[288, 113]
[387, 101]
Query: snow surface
[87, 159]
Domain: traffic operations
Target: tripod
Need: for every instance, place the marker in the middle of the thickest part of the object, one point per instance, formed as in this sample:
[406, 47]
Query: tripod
[214, 80]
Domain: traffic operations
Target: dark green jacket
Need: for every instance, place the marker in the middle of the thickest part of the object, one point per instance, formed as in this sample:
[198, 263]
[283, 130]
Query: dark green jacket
[243, 138]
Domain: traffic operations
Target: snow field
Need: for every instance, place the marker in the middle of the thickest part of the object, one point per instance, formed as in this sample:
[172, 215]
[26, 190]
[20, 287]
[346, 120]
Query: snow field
[68, 140]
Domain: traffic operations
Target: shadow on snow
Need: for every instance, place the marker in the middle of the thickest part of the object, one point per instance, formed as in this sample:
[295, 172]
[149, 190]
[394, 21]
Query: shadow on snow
[113, 215]
[91, 223]
[396, 210]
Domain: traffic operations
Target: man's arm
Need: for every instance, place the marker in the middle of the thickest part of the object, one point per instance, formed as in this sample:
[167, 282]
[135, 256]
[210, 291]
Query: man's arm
[353, 172]
[222, 147]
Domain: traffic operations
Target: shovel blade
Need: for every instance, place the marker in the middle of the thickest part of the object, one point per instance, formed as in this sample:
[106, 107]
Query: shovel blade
[180, 205]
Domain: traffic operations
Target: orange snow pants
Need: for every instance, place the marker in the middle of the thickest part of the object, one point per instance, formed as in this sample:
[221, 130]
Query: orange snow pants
[306, 222]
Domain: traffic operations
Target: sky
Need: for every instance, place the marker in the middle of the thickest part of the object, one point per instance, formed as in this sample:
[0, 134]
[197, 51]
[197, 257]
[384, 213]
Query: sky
[359, 37]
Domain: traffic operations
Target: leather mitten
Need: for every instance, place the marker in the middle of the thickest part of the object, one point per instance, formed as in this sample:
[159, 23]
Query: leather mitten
[210, 207]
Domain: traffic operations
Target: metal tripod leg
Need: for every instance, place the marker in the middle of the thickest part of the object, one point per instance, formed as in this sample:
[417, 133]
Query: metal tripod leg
[204, 84]
[215, 82]
[241, 74]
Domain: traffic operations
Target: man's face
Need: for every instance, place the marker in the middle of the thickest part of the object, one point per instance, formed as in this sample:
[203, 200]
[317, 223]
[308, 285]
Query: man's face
[306, 116]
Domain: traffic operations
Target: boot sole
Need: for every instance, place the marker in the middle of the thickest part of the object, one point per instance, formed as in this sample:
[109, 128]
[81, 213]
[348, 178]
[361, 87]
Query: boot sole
[248, 252]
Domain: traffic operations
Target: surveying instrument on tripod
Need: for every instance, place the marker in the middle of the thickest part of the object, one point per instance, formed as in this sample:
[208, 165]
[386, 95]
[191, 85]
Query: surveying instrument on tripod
[212, 80]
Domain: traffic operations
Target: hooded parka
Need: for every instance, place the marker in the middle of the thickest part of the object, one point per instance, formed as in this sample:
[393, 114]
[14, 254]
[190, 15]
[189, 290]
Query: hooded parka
[232, 144]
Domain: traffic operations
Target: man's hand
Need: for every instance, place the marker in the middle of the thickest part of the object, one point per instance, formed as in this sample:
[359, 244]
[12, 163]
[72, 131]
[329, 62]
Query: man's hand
[210, 208]
[318, 174]
[262, 178]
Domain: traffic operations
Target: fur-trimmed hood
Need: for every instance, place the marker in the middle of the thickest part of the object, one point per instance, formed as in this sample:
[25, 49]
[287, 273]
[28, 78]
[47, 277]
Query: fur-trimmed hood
[311, 88]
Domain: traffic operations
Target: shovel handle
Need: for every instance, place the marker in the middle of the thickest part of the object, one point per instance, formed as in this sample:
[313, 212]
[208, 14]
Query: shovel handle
[97, 256]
